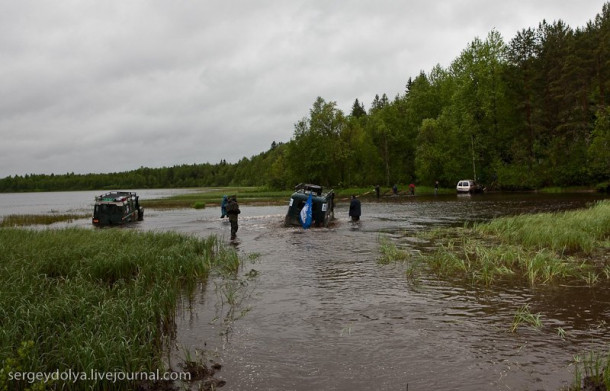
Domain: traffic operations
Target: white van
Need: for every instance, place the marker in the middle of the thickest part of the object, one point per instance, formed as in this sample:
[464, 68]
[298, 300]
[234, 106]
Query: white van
[468, 186]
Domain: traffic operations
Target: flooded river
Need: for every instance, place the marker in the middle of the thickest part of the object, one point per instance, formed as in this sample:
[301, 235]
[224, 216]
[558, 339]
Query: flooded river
[314, 310]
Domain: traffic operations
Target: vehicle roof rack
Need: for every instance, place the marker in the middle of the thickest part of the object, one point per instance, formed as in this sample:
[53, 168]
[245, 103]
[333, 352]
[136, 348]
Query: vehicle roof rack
[309, 187]
[115, 196]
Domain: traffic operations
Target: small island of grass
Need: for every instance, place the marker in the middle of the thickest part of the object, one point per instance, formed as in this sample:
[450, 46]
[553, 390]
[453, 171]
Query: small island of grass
[538, 248]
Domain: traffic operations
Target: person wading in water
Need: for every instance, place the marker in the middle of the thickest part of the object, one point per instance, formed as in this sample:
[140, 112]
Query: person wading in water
[233, 211]
[354, 209]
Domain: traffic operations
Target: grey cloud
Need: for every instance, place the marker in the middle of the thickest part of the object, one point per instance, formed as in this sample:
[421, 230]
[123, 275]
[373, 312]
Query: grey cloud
[100, 86]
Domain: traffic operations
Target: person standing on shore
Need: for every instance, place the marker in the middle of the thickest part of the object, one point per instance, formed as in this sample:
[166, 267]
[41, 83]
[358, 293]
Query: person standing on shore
[233, 211]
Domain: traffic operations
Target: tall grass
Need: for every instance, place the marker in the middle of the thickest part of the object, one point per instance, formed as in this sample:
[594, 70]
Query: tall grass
[100, 300]
[540, 248]
[525, 316]
[390, 253]
[571, 231]
[592, 372]
[23, 220]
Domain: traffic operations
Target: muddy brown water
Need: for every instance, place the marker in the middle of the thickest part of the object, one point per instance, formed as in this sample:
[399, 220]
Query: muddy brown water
[322, 314]
[313, 310]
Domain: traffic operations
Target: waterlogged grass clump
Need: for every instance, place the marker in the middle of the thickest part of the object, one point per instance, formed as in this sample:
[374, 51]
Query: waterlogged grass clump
[96, 300]
[390, 253]
[17, 220]
[525, 316]
[539, 248]
[592, 372]
[199, 205]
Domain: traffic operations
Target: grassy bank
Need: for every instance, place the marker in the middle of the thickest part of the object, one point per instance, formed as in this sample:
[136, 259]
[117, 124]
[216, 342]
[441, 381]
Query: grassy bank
[213, 196]
[102, 300]
[261, 195]
[540, 248]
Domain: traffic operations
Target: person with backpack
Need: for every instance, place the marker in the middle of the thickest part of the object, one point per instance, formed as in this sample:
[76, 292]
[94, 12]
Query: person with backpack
[223, 207]
[232, 212]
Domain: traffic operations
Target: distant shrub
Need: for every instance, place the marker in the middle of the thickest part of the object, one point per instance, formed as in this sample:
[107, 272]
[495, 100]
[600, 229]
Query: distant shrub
[603, 187]
[199, 205]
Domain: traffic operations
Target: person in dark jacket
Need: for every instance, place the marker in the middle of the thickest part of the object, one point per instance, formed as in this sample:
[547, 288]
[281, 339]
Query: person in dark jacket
[233, 211]
[354, 209]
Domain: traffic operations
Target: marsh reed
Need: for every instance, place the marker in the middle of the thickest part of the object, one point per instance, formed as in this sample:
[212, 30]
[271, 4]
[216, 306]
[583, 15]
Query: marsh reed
[19, 220]
[592, 372]
[539, 248]
[100, 300]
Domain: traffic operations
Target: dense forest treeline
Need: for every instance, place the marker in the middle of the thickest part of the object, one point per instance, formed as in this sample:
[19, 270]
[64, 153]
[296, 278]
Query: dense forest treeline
[528, 113]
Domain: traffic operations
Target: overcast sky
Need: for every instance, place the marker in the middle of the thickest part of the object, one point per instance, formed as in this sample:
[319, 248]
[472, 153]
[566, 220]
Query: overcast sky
[90, 86]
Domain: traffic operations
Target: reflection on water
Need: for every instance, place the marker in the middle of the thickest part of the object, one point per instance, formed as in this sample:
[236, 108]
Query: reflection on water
[323, 314]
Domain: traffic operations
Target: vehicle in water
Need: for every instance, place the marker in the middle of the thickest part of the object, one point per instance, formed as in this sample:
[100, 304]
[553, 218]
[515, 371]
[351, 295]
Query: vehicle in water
[468, 186]
[323, 205]
[117, 207]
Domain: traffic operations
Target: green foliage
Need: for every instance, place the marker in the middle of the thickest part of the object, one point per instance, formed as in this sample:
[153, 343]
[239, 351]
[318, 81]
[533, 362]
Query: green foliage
[317, 153]
[436, 151]
[599, 150]
[13, 366]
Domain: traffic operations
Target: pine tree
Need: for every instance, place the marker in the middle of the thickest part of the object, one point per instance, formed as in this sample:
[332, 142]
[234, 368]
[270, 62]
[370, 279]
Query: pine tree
[358, 109]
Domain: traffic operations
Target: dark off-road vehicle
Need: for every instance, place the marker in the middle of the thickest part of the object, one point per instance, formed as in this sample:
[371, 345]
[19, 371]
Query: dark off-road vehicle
[117, 207]
[323, 205]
